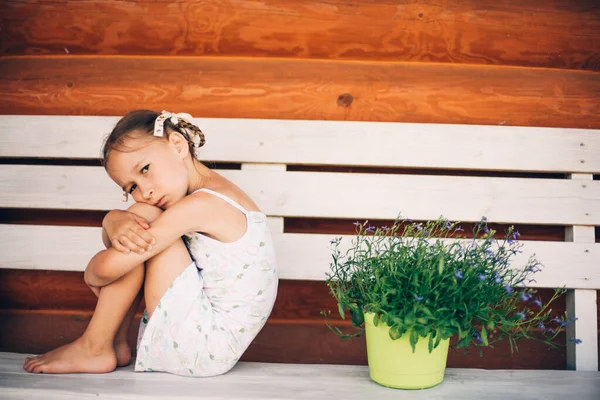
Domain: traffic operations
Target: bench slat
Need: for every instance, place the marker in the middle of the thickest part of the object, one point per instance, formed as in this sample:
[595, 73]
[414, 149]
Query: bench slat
[300, 256]
[333, 195]
[471, 147]
[292, 381]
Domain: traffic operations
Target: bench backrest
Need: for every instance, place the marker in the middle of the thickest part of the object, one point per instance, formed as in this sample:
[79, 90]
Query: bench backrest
[546, 178]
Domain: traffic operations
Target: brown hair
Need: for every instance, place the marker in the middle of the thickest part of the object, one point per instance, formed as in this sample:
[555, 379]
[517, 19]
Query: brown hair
[142, 121]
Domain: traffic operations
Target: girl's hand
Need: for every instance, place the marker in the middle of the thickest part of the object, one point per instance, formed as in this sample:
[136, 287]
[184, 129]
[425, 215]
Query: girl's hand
[127, 232]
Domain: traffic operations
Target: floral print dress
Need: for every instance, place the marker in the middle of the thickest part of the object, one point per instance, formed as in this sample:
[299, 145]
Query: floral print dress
[215, 308]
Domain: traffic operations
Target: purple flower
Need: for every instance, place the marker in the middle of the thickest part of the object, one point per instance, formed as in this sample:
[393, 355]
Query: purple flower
[385, 228]
[525, 296]
[538, 303]
[418, 298]
[458, 274]
[575, 340]
[560, 322]
[551, 331]
[477, 337]
[521, 315]
[542, 326]
[482, 277]
[370, 229]
[508, 289]
[513, 237]
[356, 223]
[408, 220]
[459, 229]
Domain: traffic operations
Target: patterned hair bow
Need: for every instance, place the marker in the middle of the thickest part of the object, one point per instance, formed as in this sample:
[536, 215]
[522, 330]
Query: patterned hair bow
[174, 117]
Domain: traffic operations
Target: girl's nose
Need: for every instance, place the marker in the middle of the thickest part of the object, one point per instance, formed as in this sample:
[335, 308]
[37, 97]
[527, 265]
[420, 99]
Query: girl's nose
[146, 193]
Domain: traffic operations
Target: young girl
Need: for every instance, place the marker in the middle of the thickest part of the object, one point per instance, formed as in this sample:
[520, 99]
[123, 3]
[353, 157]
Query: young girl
[194, 243]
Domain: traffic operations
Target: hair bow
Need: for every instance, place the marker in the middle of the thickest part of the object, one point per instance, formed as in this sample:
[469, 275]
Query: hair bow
[160, 122]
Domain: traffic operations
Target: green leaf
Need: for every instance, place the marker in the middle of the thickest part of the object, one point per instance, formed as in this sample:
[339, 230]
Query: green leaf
[395, 332]
[441, 265]
[484, 335]
[376, 319]
[357, 317]
[341, 311]
[414, 338]
[438, 337]
[430, 345]
[409, 319]
[426, 311]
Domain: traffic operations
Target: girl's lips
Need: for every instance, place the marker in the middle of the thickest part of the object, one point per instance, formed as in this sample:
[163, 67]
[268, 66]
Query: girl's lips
[161, 202]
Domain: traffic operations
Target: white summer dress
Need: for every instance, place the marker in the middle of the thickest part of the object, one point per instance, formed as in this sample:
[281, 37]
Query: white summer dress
[215, 308]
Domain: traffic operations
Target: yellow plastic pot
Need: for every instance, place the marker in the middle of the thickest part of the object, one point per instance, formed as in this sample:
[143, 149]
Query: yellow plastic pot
[392, 363]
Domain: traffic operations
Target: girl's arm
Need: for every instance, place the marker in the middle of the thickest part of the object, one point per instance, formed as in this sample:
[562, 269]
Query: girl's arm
[187, 215]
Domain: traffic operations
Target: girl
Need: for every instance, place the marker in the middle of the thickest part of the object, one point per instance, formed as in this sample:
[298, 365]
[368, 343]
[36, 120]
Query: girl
[195, 243]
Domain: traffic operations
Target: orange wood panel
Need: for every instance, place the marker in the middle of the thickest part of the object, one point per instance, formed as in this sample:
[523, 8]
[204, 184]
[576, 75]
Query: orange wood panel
[297, 300]
[551, 34]
[279, 341]
[301, 89]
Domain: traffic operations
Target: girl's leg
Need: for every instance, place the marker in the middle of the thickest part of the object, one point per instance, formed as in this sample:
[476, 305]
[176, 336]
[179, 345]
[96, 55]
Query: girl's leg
[94, 351]
[121, 345]
[115, 311]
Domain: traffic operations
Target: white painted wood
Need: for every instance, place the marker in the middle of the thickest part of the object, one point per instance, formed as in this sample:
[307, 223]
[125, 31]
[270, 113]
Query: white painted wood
[582, 304]
[334, 195]
[258, 381]
[276, 224]
[300, 256]
[444, 146]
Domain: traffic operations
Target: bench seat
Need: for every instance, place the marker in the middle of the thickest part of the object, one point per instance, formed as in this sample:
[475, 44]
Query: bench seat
[250, 380]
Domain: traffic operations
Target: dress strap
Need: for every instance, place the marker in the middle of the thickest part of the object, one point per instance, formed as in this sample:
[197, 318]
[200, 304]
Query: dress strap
[223, 197]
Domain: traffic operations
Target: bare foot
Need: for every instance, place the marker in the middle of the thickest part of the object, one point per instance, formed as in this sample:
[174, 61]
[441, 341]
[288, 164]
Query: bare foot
[79, 356]
[123, 353]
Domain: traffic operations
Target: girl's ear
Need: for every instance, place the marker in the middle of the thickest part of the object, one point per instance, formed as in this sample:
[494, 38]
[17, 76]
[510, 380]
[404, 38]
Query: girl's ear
[179, 143]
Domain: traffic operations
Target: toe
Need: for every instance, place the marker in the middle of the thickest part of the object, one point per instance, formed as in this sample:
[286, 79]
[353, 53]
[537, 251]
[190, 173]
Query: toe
[34, 364]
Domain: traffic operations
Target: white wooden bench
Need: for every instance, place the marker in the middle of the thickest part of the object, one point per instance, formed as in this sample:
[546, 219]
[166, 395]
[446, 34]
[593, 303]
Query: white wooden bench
[265, 149]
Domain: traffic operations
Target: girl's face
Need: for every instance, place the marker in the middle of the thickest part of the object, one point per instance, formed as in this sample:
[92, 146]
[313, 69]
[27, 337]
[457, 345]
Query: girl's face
[152, 171]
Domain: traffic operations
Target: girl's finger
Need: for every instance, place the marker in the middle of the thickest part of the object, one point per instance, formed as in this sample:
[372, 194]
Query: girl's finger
[145, 236]
[134, 236]
[118, 246]
[141, 221]
[125, 241]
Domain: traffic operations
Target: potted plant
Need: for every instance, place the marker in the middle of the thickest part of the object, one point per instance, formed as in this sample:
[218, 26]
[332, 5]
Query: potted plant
[412, 288]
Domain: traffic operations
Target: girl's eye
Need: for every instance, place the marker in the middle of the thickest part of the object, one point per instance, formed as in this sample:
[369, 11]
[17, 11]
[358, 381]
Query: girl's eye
[132, 188]
[146, 168]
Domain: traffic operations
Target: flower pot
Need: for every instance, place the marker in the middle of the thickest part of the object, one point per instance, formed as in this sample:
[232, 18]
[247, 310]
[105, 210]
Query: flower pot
[392, 363]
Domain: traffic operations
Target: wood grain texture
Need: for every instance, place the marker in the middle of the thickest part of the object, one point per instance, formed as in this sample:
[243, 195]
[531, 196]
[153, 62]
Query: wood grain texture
[267, 381]
[301, 89]
[313, 343]
[551, 34]
[297, 300]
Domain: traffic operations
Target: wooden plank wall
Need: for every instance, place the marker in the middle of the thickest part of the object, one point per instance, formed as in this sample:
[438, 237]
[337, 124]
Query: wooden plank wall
[506, 62]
